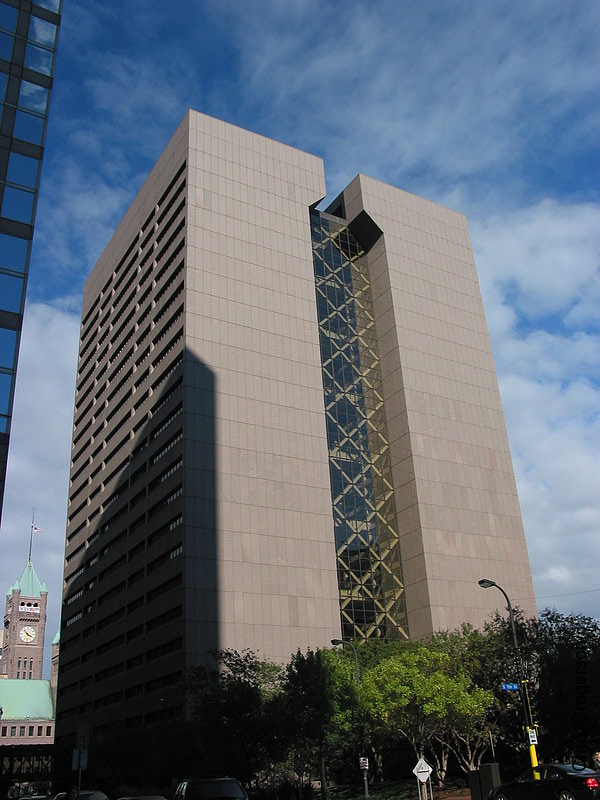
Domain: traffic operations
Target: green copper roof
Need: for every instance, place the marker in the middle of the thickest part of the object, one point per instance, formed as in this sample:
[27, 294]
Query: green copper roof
[56, 639]
[21, 699]
[28, 583]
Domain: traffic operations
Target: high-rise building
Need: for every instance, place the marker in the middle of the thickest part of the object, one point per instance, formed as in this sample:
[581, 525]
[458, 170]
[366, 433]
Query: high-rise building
[28, 38]
[287, 427]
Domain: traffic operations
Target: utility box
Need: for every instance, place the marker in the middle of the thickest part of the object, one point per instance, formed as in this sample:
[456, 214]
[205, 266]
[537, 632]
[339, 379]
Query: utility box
[483, 780]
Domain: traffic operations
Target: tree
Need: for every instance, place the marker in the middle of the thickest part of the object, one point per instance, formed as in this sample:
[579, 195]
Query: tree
[234, 714]
[308, 698]
[424, 696]
[568, 695]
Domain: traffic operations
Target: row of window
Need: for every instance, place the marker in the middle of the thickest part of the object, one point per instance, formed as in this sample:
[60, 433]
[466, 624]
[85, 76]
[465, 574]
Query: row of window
[115, 305]
[163, 558]
[152, 594]
[121, 359]
[163, 650]
[32, 730]
[118, 457]
[88, 322]
[129, 506]
[119, 642]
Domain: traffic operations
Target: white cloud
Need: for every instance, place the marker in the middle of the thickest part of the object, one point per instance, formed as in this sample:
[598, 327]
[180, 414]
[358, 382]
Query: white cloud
[544, 259]
[417, 90]
[539, 271]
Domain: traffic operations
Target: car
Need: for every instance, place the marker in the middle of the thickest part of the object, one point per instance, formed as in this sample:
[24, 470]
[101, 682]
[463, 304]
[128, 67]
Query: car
[551, 782]
[210, 789]
[84, 794]
[143, 797]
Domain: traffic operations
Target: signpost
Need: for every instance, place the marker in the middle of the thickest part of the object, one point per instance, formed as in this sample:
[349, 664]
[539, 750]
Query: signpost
[532, 735]
[363, 763]
[423, 772]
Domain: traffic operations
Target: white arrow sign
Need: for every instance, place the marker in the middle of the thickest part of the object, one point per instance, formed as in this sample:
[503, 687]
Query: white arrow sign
[422, 770]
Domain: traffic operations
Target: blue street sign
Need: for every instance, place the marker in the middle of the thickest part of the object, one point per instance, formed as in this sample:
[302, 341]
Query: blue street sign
[510, 687]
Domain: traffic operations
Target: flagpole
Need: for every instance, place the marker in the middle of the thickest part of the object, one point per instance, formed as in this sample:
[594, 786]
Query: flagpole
[31, 533]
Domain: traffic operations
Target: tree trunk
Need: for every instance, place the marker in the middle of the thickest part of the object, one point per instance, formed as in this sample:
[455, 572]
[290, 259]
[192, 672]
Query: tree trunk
[323, 778]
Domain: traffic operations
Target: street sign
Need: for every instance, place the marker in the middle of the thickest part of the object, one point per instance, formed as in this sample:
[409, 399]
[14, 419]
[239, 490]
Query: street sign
[532, 736]
[363, 762]
[510, 687]
[80, 760]
[422, 770]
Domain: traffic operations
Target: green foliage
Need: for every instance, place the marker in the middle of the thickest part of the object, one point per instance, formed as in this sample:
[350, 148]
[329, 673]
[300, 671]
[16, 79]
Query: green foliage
[235, 714]
[443, 696]
[424, 694]
[568, 697]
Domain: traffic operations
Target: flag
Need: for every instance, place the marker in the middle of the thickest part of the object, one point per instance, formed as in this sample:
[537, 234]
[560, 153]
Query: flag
[37, 530]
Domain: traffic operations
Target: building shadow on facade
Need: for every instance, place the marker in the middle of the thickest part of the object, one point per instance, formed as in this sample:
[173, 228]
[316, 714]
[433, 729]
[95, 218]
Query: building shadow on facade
[140, 604]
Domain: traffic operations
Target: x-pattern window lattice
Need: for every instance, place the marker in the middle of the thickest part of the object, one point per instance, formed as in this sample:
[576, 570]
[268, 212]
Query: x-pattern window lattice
[367, 544]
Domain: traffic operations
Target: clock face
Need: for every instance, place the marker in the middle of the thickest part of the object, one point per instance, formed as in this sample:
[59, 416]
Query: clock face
[27, 633]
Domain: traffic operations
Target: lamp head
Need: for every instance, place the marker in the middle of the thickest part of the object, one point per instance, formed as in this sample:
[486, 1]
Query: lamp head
[337, 641]
[485, 583]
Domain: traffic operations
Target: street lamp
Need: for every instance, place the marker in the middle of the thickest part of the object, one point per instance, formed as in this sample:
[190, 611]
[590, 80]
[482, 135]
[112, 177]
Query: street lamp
[363, 762]
[341, 641]
[530, 726]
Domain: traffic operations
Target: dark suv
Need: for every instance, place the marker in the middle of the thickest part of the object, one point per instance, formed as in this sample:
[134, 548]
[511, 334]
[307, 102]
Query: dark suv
[210, 789]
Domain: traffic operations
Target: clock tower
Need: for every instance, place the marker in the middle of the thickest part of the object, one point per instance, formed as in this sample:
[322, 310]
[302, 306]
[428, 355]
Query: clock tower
[24, 627]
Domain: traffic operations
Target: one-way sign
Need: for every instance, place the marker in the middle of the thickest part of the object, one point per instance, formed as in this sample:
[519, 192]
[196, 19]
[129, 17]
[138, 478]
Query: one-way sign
[510, 687]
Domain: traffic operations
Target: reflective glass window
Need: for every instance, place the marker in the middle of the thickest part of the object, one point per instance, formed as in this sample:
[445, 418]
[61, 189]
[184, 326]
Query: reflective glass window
[42, 31]
[3, 82]
[23, 170]
[38, 59]
[8, 17]
[370, 579]
[11, 291]
[3, 429]
[6, 46]
[8, 342]
[33, 97]
[5, 394]
[51, 5]
[29, 128]
[13, 253]
[18, 204]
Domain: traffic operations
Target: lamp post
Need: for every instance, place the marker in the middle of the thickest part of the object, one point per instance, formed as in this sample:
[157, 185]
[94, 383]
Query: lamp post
[530, 726]
[363, 761]
[341, 641]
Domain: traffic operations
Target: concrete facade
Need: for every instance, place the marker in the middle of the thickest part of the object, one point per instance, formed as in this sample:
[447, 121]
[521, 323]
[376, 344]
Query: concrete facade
[457, 504]
[200, 504]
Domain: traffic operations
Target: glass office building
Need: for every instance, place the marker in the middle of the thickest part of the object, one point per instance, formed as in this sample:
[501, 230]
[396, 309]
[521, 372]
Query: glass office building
[28, 38]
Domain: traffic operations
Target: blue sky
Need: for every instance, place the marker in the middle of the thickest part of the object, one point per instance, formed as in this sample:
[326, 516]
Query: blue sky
[491, 108]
